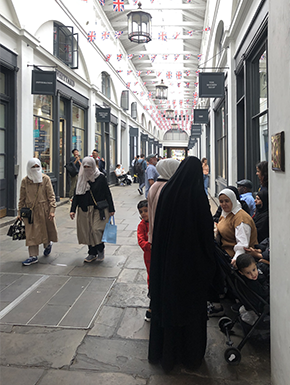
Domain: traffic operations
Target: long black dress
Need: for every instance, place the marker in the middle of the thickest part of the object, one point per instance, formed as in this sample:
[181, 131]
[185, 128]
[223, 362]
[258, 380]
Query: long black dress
[182, 268]
[261, 217]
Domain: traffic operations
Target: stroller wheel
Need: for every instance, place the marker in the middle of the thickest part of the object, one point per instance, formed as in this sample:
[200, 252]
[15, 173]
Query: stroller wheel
[233, 356]
[225, 323]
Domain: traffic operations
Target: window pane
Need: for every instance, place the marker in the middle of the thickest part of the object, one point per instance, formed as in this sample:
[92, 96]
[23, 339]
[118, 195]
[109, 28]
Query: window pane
[98, 146]
[113, 131]
[78, 117]
[42, 138]
[2, 83]
[113, 160]
[263, 131]
[263, 81]
[42, 106]
[2, 166]
[2, 141]
[78, 140]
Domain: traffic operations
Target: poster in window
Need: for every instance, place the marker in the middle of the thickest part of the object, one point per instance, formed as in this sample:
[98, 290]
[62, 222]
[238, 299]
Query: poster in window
[278, 151]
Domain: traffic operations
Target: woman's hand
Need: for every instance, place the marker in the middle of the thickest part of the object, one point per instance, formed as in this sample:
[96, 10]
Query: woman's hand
[51, 216]
[19, 218]
[111, 214]
[72, 215]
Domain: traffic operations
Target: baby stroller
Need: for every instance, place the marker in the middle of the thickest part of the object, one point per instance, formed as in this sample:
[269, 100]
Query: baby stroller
[247, 298]
[123, 180]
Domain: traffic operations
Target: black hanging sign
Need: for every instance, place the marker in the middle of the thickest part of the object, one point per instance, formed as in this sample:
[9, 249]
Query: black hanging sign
[43, 82]
[200, 116]
[103, 115]
[211, 84]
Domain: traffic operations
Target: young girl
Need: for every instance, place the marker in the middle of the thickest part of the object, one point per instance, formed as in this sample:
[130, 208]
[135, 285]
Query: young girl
[142, 235]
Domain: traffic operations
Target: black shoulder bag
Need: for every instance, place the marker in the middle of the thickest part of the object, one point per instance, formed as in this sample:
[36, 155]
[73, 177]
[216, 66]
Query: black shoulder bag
[101, 206]
[26, 212]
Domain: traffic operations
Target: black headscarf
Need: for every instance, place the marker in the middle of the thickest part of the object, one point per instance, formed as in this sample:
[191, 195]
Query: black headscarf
[182, 259]
[261, 217]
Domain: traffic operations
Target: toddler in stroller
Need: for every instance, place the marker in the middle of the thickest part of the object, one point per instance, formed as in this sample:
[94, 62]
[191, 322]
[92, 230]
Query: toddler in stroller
[250, 287]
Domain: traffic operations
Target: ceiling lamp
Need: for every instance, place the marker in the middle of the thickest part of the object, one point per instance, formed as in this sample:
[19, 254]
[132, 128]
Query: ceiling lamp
[174, 126]
[139, 26]
[161, 91]
[169, 113]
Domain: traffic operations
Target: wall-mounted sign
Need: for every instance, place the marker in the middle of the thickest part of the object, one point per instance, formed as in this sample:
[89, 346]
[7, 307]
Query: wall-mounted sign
[195, 129]
[64, 78]
[43, 82]
[103, 115]
[211, 84]
[200, 116]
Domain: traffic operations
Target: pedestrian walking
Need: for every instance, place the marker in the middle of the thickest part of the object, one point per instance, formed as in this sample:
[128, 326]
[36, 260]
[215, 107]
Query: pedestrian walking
[205, 170]
[140, 168]
[181, 271]
[76, 161]
[94, 205]
[151, 173]
[37, 202]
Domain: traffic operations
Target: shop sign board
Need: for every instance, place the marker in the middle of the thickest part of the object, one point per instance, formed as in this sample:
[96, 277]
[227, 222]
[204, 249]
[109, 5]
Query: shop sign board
[211, 84]
[103, 115]
[43, 82]
[200, 116]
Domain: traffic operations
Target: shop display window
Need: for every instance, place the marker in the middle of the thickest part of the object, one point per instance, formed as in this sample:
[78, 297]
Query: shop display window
[78, 131]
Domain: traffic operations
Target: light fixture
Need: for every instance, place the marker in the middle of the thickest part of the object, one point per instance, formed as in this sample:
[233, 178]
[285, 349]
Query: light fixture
[169, 113]
[139, 26]
[174, 126]
[161, 91]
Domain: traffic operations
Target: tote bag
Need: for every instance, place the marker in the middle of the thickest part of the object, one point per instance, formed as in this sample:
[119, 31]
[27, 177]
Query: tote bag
[110, 232]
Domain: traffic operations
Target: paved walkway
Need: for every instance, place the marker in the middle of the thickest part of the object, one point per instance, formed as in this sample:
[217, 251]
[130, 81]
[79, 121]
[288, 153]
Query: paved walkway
[66, 322]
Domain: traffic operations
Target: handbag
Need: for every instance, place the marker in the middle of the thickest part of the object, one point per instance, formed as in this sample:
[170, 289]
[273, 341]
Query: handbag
[101, 205]
[110, 232]
[71, 169]
[17, 231]
[26, 212]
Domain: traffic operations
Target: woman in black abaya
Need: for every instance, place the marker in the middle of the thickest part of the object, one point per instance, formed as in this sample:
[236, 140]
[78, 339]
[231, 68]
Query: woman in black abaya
[182, 268]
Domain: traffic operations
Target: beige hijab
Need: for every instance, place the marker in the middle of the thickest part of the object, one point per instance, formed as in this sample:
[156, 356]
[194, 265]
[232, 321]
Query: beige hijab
[167, 167]
[86, 174]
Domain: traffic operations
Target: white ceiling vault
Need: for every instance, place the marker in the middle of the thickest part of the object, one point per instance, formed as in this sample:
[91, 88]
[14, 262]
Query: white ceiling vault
[181, 23]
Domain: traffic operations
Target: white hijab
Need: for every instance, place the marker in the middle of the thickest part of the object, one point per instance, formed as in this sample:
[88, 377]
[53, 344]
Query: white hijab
[167, 167]
[236, 204]
[86, 174]
[34, 174]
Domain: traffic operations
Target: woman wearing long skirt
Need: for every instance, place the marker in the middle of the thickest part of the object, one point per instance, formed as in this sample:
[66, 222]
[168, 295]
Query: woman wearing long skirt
[94, 205]
[182, 268]
[36, 193]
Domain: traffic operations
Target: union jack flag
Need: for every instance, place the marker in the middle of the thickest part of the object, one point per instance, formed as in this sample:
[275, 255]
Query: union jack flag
[142, 93]
[178, 85]
[138, 73]
[190, 33]
[105, 35]
[119, 56]
[207, 29]
[175, 36]
[199, 56]
[91, 36]
[197, 72]
[149, 94]
[118, 34]
[164, 57]
[176, 57]
[169, 74]
[162, 36]
[159, 73]
[128, 72]
[135, 2]
[102, 2]
[153, 57]
[187, 73]
[196, 84]
[119, 71]
[130, 56]
[128, 85]
[186, 57]
[135, 84]
[178, 75]
[108, 57]
[144, 84]
[118, 5]
[148, 72]
[187, 85]
[141, 55]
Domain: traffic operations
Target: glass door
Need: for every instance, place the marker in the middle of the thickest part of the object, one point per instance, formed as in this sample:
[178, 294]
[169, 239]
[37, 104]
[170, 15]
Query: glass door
[62, 157]
[3, 165]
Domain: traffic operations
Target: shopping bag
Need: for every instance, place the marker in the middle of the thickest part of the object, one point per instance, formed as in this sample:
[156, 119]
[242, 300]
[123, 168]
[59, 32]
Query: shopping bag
[110, 232]
[17, 231]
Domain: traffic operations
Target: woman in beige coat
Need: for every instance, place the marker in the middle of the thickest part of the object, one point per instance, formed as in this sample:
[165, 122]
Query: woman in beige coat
[36, 193]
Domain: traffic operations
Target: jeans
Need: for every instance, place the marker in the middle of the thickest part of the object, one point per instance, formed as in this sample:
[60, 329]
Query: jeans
[205, 183]
[141, 181]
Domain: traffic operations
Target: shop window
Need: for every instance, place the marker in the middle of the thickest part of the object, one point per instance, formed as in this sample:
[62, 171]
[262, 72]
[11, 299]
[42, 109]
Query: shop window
[113, 145]
[106, 85]
[65, 45]
[98, 138]
[78, 129]
[221, 145]
[43, 131]
[176, 135]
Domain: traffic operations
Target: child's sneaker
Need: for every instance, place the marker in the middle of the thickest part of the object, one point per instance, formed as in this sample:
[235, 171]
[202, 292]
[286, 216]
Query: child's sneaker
[29, 261]
[148, 315]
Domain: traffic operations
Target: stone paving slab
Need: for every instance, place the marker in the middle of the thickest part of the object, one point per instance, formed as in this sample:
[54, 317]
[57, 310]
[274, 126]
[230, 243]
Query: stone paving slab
[107, 322]
[128, 295]
[74, 377]
[37, 268]
[39, 347]
[19, 376]
[112, 355]
[133, 325]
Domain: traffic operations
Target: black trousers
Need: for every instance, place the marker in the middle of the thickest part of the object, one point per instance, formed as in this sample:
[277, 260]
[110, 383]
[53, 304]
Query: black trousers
[93, 250]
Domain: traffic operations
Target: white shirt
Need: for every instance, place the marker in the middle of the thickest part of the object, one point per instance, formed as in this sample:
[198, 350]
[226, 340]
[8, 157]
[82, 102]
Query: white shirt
[243, 235]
